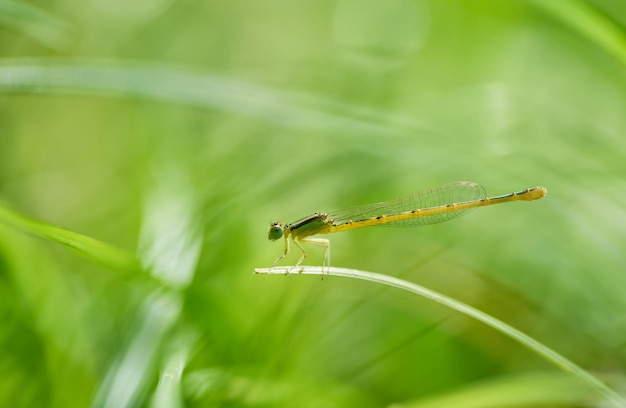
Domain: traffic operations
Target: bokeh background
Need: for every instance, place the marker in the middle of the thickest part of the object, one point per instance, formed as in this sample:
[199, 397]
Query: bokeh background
[176, 131]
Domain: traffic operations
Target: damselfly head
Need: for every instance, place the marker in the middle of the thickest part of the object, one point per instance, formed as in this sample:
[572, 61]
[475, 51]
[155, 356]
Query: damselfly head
[276, 231]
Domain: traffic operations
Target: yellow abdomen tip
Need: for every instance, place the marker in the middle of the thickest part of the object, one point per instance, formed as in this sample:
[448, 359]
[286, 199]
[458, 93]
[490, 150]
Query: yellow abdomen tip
[538, 192]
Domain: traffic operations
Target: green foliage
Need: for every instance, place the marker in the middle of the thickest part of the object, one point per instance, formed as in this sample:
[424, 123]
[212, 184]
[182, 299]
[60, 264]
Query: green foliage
[158, 140]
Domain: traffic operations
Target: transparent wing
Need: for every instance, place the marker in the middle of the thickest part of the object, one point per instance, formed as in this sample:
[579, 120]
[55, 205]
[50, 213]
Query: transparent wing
[458, 192]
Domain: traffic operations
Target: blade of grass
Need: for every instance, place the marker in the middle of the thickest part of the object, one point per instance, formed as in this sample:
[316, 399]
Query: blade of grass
[522, 338]
[201, 89]
[587, 20]
[35, 23]
[97, 251]
[170, 246]
[526, 390]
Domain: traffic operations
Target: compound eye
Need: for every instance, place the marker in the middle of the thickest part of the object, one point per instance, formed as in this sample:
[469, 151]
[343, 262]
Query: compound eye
[276, 231]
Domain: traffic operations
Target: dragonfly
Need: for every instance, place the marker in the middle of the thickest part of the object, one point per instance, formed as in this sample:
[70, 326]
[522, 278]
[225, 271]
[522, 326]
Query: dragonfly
[431, 206]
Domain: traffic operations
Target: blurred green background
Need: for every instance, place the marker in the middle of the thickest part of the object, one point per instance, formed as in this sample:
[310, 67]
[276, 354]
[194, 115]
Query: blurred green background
[178, 130]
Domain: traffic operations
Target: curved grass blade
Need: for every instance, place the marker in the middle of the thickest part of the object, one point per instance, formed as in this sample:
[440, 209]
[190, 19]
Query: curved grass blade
[590, 22]
[35, 23]
[120, 78]
[535, 346]
[97, 251]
